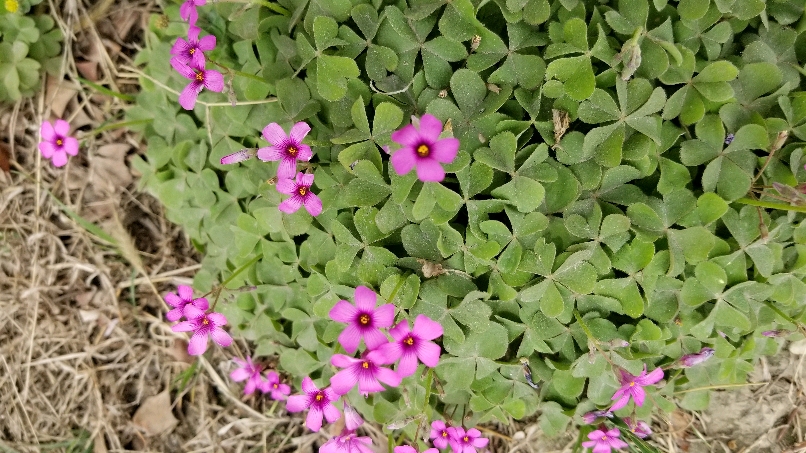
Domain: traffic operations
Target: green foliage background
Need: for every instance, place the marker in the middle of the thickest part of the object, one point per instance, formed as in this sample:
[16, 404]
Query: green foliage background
[628, 228]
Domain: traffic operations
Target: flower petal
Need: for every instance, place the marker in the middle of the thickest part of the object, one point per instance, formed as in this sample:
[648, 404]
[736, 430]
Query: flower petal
[185, 326]
[287, 168]
[291, 205]
[391, 351]
[343, 311]
[174, 315]
[430, 127]
[217, 319]
[343, 381]
[342, 361]
[187, 99]
[308, 386]
[206, 43]
[429, 170]
[47, 132]
[305, 179]
[274, 134]
[651, 378]
[270, 153]
[403, 160]
[620, 403]
[286, 186]
[70, 146]
[368, 383]
[59, 159]
[407, 365]
[314, 419]
[304, 153]
[365, 298]
[299, 131]
[428, 353]
[349, 338]
[384, 316]
[213, 80]
[180, 47]
[197, 344]
[426, 328]
[201, 303]
[62, 128]
[445, 150]
[400, 330]
[47, 149]
[185, 293]
[239, 375]
[183, 69]
[374, 338]
[193, 312]
[388, 377]
[638, 395]
[408, 136]
[197, 59]
[313, 204]
[297, 403]
[331, 413]
[221, 337]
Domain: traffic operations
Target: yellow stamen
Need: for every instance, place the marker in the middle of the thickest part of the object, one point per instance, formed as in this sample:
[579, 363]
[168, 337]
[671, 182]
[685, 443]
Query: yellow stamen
[59, 142]
[302, 191]
[192, 51]
[276, 385]
[365, 365]
[444, 434]
[363, 319]
[319, 397]
[409, 341]
[466, 439]
[292, 150]
[200, 76]
[632, 384]
[423, 151]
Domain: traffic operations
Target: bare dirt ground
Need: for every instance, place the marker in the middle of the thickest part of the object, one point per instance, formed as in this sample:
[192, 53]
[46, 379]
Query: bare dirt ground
[87, 363]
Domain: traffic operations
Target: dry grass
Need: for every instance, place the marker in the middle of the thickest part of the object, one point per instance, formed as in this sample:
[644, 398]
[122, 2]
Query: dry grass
[83, 342]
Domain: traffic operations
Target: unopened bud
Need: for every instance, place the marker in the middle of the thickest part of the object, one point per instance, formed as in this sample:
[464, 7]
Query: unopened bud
[351, 418]
[689, 360]
[240, 156]
[775, 333]
[590, 417]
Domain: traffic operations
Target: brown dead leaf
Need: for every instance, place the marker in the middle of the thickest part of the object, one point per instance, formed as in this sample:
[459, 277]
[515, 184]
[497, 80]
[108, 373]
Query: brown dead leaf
[154, 416]
[58, 94]
[560, 120]
[109, 169]
[5, 157]
[179, 351]
[680, 422]
[431, 269]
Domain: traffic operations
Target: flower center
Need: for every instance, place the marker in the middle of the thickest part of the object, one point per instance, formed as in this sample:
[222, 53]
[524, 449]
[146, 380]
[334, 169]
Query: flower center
[292, 150]
[365, 365]
[604, 437]
[409, 340]
[444, 434]
[200, 76]
[59, 142]
[466, 439]
[423, 150]
[192, 51]
[364, 319]
[632, 384]
[276, 385]
[302, 190]
[319, 396]
[205, 321]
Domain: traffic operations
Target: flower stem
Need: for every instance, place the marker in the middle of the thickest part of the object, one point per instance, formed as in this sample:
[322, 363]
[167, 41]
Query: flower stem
[591, 338]
[771, 205]
[222, 286]
[235, 71]
[780, 313]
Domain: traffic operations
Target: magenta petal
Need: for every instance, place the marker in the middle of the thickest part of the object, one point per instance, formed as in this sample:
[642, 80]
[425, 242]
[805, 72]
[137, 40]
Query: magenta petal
[47, 149]
[403, 161]
[426, 328]
[343, 311]
[287, 168]
[186, 326]
[388, 377]
[193, 312]
[185, 292]
[480, 442]
[430, 127]
[407, 365]
[239, 375]
[343, 381]
[274, 134]
[299, 131]
[429, 353]
[314, 419]
[197, 344]
[286, 186]
[305, 179]
[379, 358]
[384, 316]
[445, 150]
[304, 153]
[183, 69]
[201, 303]
[62, 128]
[400, 330]
[408, 136]
[207, 43]
[213, 80]
[198, 59]
[59, 159]
[47, 132]
[174, 315]
[180, 47]
[365, 299]
[193, 33]
[349, 338]
[296, 403]
[374, 338]
[313, 204]
[429, 170]
[291, 205]
[187, 99]
[368, 383]
[250, 387]
[651, 378]
[70, 146]
[271, 153]
[217, 319]
[638, 395]
[331, 413]
[392, 351]
[308, 385]
[620, 403]
[221, 337]
[342, 361]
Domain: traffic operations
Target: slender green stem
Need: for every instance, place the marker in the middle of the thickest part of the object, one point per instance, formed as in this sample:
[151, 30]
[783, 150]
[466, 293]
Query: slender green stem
[722, 386]
[107, 91]
[241, 269]
[780, 313]
[771, 205]
[397, 287]
[237, 72]
[117, 125]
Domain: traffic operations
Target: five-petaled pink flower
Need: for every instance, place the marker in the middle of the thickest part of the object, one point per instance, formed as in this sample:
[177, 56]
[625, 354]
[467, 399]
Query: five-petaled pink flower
[56, 144]
[278, 391]
[188, 10]
[439, 434]
[203, 325]
[288, 149]
[301, 195]
[320, 403]
[466, 442]
[639, 427]
[250, 372]
[424, 149]
[602, 441]
[410, 449]
[633, 386]
[365, 371]
[192, 50]
[347, 442]
[178, 300]
[410, 345]
[363, 320]
[200, 78]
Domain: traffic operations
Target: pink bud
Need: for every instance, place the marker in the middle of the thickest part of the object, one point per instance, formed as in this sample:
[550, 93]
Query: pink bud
[689, 360]
[240, 156]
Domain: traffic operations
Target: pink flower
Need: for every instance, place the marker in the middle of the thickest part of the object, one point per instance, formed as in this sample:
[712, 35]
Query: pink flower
[640, 428]
[633, 386]
[347, 442]
[272, 385]
[410, 345]
[203, 325]
[365, 372]
[301, 195]
[56, 144]
[188, 10]
[183, 297]
[352, 420]
[440, 434]
[250, 372]
[689, 360]
[320, 403]
[424, 149]
[410, 449]
[288, 149]
[192, 50]
[363, 320]
[200, 78]
[591, 416]
[602, 441]
[466, 442]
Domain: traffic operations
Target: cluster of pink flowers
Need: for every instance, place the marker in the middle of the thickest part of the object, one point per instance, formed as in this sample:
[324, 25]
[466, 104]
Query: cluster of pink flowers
[461, 441]
[202, 323]
[289, 150]
[56, 142]
[189, 60]
[252, 373]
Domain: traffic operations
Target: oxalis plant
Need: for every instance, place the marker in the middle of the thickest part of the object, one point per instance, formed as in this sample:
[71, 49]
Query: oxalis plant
[435, 214]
